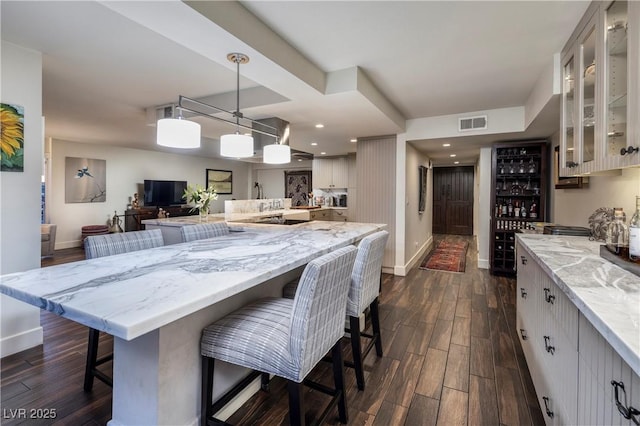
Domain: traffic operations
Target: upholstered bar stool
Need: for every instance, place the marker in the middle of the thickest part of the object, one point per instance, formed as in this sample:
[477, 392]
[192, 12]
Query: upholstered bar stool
[109, 245]
[201, 231]
[286, 337]
[363, 294]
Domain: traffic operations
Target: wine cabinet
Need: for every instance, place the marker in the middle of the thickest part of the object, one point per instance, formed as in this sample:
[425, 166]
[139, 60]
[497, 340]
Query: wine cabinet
[519, 176]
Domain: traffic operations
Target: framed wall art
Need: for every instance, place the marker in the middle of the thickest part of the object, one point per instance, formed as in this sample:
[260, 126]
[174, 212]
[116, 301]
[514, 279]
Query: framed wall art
[85, 180]
[422, 201]
[12, 143]
[221, 180]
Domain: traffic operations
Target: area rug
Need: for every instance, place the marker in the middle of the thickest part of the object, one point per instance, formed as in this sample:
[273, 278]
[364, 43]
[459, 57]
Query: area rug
[448, 256]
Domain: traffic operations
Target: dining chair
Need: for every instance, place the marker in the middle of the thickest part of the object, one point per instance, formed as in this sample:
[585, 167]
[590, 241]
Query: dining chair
[201, 231]
[286, 337]
[363, 293]
[108, 245]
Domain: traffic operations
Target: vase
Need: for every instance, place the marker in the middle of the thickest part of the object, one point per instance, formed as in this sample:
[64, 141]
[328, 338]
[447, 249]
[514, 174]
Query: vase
[204, 214]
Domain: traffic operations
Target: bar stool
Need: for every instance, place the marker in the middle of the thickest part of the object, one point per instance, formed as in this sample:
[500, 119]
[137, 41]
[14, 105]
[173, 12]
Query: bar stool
[285, 337]
[109, 245]
[363, 294]
[201, 231]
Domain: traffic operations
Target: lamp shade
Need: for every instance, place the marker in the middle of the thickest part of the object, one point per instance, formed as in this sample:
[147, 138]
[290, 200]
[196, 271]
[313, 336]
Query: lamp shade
[236, 145]
[178, 133]
[276, 154]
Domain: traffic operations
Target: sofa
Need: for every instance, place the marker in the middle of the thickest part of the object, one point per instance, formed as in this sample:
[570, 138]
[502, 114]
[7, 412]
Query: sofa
[47, 239]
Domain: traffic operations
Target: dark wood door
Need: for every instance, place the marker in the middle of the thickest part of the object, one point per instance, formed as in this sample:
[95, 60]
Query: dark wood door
[453, 200]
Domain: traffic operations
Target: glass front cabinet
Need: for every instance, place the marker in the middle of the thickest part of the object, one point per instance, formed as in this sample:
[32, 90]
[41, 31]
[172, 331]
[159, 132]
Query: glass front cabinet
[600, 112]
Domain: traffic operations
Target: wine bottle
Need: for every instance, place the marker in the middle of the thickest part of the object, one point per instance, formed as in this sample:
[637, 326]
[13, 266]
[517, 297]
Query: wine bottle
[634, 234]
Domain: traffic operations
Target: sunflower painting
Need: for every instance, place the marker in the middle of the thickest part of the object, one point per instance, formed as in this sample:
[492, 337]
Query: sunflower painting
[12, 142]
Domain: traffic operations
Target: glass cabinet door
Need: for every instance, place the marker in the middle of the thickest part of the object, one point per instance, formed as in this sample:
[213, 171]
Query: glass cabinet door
[588, 112]
[616, 81]
[568, 109]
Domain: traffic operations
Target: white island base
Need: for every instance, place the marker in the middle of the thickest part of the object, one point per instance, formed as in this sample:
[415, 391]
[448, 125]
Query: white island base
[157, 376]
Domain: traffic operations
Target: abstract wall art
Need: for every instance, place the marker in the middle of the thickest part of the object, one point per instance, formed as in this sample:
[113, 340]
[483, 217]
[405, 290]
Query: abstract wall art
[85, 180]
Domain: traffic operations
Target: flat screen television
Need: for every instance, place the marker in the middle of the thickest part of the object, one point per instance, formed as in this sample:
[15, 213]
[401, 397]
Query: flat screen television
[164, 192]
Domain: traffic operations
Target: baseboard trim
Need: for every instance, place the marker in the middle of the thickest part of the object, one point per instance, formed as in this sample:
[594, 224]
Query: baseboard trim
[483, 263]
[68, 244]
[404, 269]
[19, 342]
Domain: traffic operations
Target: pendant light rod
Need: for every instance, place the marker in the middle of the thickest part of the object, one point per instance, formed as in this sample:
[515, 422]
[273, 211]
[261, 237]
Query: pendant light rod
[237, 123]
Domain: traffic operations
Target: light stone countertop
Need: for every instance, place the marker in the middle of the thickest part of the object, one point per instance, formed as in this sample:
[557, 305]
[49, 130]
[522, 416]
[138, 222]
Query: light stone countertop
[131, 294]
[607, 295]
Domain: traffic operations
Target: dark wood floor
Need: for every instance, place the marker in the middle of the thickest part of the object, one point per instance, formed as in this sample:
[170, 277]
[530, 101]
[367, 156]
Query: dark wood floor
[451, 356]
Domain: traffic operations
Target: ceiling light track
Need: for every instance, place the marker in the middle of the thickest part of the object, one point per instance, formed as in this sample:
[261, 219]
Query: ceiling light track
[181, 133]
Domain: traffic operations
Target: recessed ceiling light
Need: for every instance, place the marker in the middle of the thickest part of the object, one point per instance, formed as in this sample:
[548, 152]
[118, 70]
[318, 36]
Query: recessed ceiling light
[354, 140]
[452, 155]
[314, 143]
[299, 159]
[319, 126]
[446, 144]
[456, 162]
[323, 153]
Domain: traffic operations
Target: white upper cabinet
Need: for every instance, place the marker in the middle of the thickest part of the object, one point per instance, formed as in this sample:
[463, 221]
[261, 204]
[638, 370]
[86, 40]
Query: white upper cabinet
[330, 172]
[600, 95]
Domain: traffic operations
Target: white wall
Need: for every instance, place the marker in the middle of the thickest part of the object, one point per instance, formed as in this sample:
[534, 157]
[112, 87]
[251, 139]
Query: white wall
[574, 206]
[483, 212]
[417, 231]
[271, 177]
[126, 171]
[20, 197]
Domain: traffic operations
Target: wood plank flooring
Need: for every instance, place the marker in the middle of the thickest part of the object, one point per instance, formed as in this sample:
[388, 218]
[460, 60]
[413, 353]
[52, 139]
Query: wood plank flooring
[451, 356]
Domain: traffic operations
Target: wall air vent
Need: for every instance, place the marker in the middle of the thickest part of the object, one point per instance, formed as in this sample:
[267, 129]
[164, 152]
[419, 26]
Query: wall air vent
[472, 123]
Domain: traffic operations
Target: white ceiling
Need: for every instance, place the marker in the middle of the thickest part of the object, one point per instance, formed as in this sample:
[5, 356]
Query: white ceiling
[105, 63]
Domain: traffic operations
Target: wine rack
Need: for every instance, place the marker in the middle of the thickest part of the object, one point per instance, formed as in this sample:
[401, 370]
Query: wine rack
[518, 197]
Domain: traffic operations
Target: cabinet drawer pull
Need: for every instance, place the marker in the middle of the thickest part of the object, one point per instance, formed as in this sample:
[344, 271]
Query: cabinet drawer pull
[546, 407]
[523, 334]
[627, 411]
[523, 259]
[628, 150]
[549, 297]
[523, 293]
[547, 346]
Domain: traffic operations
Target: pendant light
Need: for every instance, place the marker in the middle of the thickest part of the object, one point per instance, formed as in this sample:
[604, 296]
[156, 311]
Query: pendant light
[279, 152]
[276, 154]
[178, 133]
[236, 144]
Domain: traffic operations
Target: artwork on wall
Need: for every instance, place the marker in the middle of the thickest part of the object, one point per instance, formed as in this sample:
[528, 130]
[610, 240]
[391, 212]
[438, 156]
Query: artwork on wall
[221, 180]
[85, 180]
[297, 186]
[12, 142]
[422, 172]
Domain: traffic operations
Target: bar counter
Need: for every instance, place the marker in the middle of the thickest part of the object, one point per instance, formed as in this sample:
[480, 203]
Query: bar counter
[155, 303]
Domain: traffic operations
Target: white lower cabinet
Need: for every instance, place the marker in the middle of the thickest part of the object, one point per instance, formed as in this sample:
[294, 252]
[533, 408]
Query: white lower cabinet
[570, 363]
[599, 365]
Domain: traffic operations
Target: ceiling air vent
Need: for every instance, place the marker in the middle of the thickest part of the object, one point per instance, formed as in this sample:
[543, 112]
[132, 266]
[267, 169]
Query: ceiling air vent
[472, 123]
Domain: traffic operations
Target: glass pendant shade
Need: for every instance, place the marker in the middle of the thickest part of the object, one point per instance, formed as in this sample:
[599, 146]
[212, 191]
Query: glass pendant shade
[236, 145]
[178, 133]
[276, 154]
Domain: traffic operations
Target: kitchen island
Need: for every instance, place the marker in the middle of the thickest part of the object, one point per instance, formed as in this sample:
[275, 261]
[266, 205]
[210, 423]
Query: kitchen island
[578, 320]
[155, 303]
